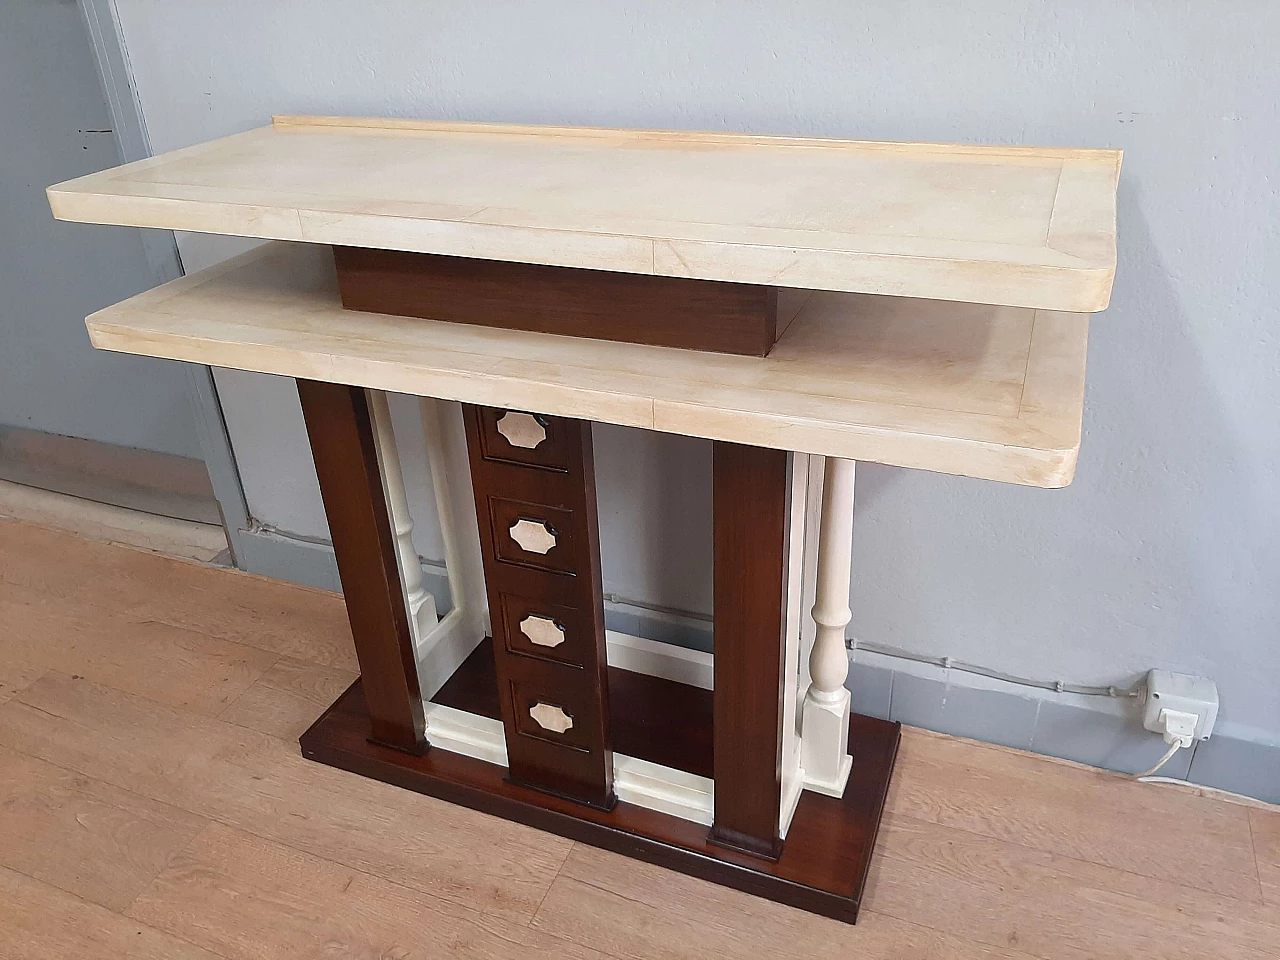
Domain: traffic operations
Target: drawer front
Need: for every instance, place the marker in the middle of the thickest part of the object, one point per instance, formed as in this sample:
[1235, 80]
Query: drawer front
[544, 630]
[554, 736]
[531, 439]
[548, 709]
[535, 535]
[535, 503]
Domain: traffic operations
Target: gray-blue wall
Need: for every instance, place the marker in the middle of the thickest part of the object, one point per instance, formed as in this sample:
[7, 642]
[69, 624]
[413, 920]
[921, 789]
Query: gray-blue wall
[1164, 552]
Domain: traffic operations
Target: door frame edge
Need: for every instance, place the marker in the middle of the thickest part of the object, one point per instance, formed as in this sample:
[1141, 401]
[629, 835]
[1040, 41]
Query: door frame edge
[161, 251]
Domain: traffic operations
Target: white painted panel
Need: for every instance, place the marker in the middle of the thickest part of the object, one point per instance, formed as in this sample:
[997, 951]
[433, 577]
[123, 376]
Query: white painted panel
[641, 655]
[443, 650]
[664, 789]
[481, 738]
[794, 614]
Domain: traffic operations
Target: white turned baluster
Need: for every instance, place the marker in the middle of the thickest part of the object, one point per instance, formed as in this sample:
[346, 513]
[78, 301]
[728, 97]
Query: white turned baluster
[824, 727]
[422, 612]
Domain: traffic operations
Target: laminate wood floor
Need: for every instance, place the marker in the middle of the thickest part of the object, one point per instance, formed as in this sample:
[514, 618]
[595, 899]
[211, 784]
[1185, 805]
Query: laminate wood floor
[153, 803]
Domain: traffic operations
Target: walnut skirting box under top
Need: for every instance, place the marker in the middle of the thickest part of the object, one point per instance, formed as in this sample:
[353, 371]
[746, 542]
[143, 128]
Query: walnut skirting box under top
[802, 303]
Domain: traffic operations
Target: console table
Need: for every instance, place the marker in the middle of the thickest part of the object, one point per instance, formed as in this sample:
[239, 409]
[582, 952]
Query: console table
[802, 303]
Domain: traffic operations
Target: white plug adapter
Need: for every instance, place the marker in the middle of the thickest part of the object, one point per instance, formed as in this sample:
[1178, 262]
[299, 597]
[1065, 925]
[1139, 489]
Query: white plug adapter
[1181, 708]
[1179, 726]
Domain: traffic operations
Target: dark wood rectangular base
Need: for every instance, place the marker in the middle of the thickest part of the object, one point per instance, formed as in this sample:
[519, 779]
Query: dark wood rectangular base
[634, 308]
[824, 861]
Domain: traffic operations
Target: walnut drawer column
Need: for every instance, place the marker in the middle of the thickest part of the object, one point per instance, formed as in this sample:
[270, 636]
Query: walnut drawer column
[751, 489]
[534, 482]
[340, 428]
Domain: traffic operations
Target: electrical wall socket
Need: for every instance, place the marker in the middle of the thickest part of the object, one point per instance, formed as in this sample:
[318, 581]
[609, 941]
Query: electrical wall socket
[1180, 692]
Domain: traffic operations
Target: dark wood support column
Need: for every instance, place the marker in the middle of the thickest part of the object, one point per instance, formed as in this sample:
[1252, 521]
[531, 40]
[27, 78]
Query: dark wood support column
[751, 490]
[343, 445]
[535, 492]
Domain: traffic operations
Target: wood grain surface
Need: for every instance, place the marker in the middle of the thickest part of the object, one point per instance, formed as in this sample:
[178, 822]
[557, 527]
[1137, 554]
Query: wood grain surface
[750, 493]
[822, 868]
[1021, 226]
[987, 877]
[989, 392]
[344, 449]
[564, 582]
[651, 718]
[660, 311]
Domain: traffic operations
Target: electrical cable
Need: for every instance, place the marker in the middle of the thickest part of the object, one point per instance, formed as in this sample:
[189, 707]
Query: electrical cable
[947, 663]
[676, 612]
[884, 650]
[1214, 792]
[1168, 755]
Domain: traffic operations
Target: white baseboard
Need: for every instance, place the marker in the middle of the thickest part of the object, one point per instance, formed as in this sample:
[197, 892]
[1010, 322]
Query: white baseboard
[469, 734]
[442, 651]
[111, 524]
[664, 789]
[660, 659]
[791, 791]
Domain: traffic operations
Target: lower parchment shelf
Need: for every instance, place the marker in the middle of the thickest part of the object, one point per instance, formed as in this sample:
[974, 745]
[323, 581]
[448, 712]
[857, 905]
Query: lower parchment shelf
[822, 869]
[990, 392]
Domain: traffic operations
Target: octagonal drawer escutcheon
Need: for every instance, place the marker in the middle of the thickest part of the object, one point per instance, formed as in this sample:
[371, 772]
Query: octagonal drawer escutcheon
[550, 717]
[541, 631]
[533, 536]
[521, 429]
